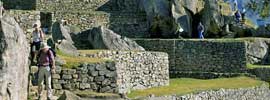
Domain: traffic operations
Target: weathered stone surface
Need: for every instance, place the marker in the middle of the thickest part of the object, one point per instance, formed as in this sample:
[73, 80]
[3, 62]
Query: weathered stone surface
[67, 86]
[66, 77]
[56, 76]
[57, 86]
[159, 16]
[84, 86]
[67, 95]
[257, 51]
[61, 35]
[101, 67]
[14, 53]
[105, 89]
[99, 78]
[110, 74]
[103, 38]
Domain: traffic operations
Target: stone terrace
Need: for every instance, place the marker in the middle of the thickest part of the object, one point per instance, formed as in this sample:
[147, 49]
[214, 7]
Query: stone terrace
[122, 72]
[122, 16]
[201, 58]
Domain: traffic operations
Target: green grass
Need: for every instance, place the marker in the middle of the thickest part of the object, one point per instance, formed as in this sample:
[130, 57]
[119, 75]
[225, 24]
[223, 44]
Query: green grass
[251, 66]
[74, 62]
[186, 85]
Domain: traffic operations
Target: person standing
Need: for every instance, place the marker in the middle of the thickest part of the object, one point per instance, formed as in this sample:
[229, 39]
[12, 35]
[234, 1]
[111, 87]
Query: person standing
[200, 30]
[38, 37]
[235, 5]
[1, 9]
[237, 16]
[46, 66]
[243, 14]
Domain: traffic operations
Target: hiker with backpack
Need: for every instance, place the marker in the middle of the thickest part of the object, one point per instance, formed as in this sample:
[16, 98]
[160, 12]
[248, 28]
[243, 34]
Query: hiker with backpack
[37, 36]
[200, 30]
[46, 66]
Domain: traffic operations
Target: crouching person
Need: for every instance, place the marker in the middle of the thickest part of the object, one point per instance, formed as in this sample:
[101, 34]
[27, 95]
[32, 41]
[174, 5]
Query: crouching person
[46, 65]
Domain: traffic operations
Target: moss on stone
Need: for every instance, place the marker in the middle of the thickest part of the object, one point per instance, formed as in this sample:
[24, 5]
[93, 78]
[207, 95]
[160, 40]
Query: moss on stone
[183, 86]
[252, 66]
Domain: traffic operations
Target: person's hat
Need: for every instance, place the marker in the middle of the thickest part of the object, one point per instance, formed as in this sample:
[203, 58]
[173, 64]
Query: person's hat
[44, 45]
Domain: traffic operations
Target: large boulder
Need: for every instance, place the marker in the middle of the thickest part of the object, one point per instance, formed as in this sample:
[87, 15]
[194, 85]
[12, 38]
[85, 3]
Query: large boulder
[61, 36]
[183, 12]
[14, 54]
[103, 38]
[212, 18]
[159, 16]
[257, 51]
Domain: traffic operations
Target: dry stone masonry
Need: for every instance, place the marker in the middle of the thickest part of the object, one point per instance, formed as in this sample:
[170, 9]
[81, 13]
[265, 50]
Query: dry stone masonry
[122, 16]
[128, 71]
[99, 77]
[200, 55]
[254, 93]
[138, 70]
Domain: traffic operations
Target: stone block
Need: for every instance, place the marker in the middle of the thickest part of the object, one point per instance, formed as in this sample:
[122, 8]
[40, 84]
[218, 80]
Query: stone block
[56, 76]
[67, 86]
[75, 76]
[93, 86]
[57, 86]
[101, 67]
[66, 77]
[105, 89]
[111, 74]
[99, 78]
[84, 86]
[93, 73]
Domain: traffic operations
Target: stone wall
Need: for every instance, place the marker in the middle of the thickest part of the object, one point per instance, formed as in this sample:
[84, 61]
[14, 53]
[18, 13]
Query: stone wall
[262, 73]
[123, 23]
[122, 16]
[26, 19]
[81, 5]
[20, 4]
[128, 71]
[200, 55]
[138, 70]
[99, 77]
[255, 93]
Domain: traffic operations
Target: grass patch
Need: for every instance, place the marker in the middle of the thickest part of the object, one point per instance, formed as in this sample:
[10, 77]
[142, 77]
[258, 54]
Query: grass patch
[74, 62]
[186, 85]
[94, 94]
[251, 66]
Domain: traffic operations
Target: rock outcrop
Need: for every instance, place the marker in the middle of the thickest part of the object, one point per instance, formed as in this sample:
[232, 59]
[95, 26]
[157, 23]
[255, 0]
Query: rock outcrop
[14, 54]
[103, 38]
[61, 36]
[212, 18]
[159, 16]
[258, 51]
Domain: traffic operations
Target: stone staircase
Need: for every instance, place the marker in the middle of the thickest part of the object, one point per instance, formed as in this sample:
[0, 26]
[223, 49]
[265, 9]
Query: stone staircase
[33, 88]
